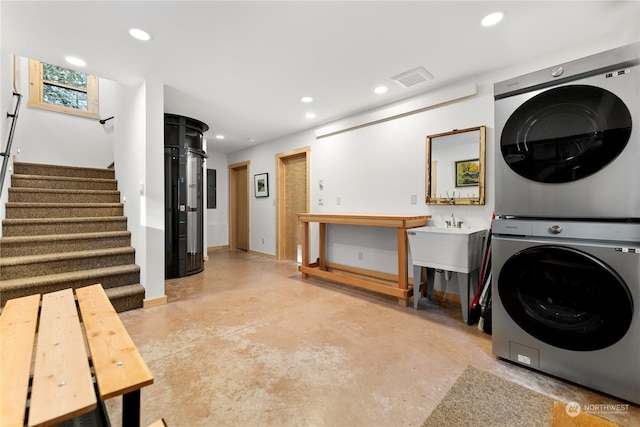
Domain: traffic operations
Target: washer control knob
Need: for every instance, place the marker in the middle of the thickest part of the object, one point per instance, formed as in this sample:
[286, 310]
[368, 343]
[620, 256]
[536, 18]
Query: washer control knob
[555, 229]
[557, 72]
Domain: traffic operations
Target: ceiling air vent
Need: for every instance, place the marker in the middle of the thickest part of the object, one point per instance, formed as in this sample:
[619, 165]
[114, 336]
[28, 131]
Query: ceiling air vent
[413, 77]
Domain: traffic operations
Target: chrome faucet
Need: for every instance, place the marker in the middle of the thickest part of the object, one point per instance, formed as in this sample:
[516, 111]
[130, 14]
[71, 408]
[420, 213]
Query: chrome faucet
[453, 222]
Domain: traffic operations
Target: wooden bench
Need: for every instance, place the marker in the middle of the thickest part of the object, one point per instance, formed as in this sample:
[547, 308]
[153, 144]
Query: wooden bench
[62, 380]
[18, 330]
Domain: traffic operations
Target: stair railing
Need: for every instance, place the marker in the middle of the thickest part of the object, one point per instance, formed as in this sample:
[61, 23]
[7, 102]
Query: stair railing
[7, 152]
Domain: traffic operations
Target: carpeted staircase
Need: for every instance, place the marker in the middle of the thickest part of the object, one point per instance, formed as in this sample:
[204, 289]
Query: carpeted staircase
[65, 228]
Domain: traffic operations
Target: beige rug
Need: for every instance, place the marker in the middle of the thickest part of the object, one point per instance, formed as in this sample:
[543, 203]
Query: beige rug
[479, 398]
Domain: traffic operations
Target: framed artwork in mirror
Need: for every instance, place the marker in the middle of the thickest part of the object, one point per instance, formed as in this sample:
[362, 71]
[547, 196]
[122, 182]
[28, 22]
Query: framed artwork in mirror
[467, 173]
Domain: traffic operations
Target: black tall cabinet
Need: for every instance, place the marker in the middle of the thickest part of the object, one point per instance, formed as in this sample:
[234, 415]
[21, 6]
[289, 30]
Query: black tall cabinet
[184, 210]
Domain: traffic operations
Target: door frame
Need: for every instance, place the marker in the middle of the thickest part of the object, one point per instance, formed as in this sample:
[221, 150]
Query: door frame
[280, 184]
[233, 170]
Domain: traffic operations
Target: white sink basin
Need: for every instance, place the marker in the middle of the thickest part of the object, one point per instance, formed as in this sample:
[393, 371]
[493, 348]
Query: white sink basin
[453, 249]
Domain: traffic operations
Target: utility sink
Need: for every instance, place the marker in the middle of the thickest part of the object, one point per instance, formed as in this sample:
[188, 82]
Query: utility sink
[447, 248]
[450, 249]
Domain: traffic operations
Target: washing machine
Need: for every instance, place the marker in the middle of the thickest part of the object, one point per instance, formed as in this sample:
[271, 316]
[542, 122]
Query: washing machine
[566, 300]
[568, 139]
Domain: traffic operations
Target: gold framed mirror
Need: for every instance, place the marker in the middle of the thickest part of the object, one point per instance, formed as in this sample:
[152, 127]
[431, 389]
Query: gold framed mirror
[455, 167]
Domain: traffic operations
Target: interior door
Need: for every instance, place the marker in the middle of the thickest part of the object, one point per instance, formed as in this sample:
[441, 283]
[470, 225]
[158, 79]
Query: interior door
[293, 188]
[239, 206]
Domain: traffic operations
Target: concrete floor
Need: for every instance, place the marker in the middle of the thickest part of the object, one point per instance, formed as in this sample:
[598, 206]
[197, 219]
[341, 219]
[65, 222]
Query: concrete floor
[249, 343]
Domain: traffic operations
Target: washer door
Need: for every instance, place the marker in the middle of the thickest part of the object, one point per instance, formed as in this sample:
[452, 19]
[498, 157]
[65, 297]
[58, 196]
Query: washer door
[565, 134]
[565, 298]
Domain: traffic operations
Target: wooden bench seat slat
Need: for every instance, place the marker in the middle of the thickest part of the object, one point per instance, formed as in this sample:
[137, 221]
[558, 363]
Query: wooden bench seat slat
[17, 334]
[119, 367]
[62, 383]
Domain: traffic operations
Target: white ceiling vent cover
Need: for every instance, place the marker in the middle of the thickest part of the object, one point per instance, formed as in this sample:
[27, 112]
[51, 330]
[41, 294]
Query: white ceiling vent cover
[412, 77]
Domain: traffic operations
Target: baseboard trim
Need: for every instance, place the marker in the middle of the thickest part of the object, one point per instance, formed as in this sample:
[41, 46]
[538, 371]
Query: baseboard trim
[446, 296]
[217, 248]
[262, 254]
[155, 302]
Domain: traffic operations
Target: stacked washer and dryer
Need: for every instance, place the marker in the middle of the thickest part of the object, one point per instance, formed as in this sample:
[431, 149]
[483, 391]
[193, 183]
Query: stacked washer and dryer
[566, 245]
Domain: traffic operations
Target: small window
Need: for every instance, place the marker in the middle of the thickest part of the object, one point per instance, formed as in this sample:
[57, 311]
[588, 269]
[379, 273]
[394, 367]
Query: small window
[60, 89]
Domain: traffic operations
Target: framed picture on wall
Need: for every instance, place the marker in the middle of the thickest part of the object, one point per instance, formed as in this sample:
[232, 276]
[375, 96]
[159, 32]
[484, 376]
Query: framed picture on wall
[261, 183]
[467, 172]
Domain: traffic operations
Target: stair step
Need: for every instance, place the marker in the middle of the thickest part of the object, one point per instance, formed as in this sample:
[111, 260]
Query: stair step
[60, 182]
[127, 297]
[41, 265]
[56, 243]
[62, 210]
[109, 277]
[23, 168]
[64, 227]
[44, 226]
[45, 195]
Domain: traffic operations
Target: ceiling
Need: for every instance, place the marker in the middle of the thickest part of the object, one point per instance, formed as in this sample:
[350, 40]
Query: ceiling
[242, 67]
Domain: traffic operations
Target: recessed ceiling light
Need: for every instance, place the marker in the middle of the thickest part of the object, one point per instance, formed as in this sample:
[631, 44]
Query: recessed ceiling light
[139, 34]
[219, 136]
[310, 115]
[492, 19]
[75, 61]
[251, 140]
[381, 89]
[306, 99]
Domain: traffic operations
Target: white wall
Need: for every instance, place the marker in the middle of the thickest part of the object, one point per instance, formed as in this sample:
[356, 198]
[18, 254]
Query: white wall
[263, 210]
[139, 157]
[376, 169]
[217, 220]
[372, 169]
[48, 137]
[61, 139]
[130, 159]
[151, 190]
[6, 106]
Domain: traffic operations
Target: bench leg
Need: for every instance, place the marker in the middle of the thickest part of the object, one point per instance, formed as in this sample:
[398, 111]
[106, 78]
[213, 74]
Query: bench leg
[131, 409]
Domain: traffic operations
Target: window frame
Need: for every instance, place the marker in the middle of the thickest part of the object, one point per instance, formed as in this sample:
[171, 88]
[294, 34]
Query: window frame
[36, 98]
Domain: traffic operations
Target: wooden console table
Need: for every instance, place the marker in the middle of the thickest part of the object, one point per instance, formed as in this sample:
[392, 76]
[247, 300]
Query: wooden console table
[397, 286]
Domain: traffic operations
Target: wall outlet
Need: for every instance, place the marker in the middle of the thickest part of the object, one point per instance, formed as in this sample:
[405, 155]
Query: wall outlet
[320, 202]
[360, 256]
[263, 240]
[338, 201]
[414, 199]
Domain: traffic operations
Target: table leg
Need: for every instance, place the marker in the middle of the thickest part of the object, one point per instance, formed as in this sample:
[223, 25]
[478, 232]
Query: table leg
[403, 267]
[305, 247]
[131, 409]
[322, 246]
